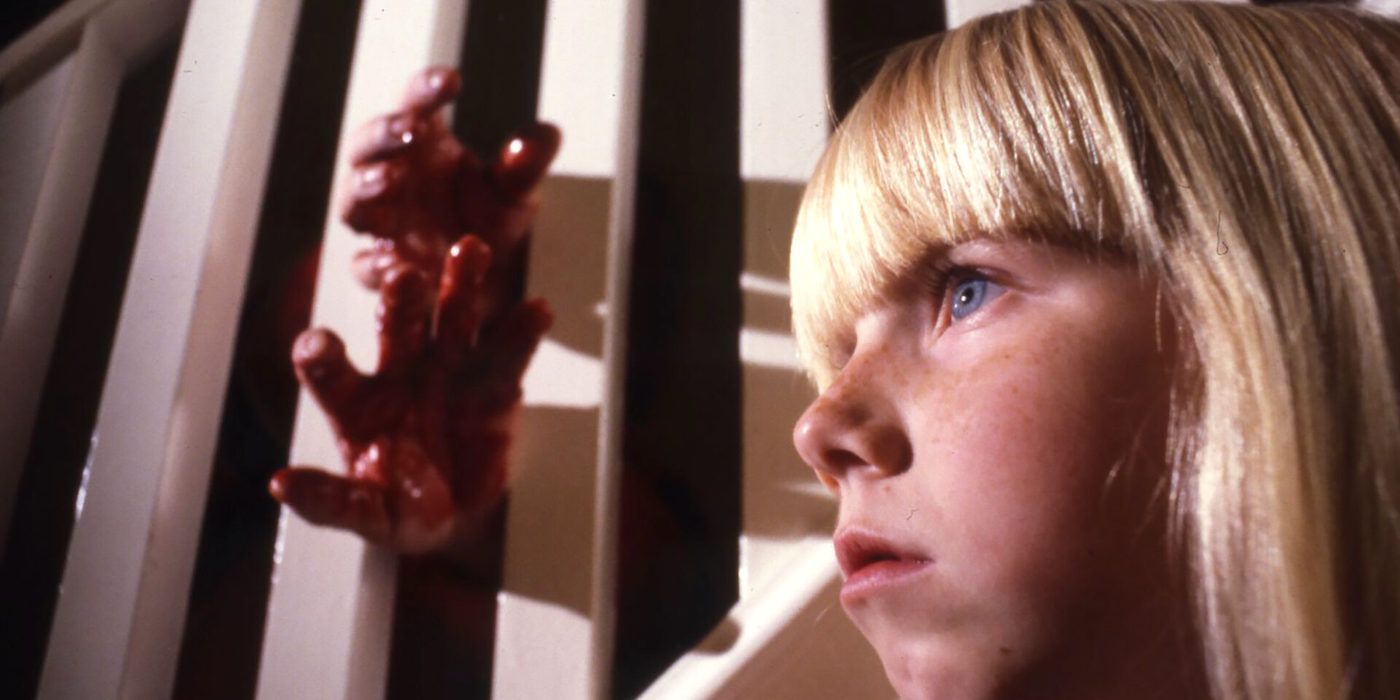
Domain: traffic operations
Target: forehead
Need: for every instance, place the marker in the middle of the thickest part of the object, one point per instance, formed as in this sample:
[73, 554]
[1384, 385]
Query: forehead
[928, 160]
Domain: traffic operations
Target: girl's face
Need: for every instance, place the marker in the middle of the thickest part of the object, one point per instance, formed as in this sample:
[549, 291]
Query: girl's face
[996, 445]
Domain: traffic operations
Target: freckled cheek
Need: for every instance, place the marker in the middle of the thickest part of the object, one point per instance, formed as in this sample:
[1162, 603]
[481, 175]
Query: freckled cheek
[1014, 459]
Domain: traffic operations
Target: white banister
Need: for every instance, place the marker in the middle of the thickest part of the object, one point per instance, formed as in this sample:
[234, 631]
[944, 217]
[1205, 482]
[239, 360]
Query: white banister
[608, 486]
[788, 639]
[29, 123]
[329, 617]
[959, 11]
[131, 555]
[783, 129]
[555, 618]
[787, 636]
[31, 56]
[133, 29]
[1387, 8]
[50, 162]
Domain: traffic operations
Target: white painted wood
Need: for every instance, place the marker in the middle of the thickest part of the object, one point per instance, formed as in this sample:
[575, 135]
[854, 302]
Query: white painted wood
[783, 129]
[544, 620]
[131, 554]
[608, 486]
[581, 83]
[783, 116]
[960, 11]
[29, 129]
[329, 618]
[132, 26]
[787, 636]
[34, 53]
[555, 620]
[194, 427]
[48, 164]
[1387, 8]
[138, 28]
[789, 639]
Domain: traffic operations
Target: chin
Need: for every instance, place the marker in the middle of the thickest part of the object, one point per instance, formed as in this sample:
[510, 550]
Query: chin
[931, 670]
[927, 679]
[940, 665]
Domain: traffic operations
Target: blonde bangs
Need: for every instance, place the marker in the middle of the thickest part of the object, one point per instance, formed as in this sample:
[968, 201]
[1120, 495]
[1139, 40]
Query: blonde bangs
[980, 132]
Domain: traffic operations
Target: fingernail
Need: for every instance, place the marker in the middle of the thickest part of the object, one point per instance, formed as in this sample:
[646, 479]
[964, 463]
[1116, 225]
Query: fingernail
[371, 180]
[435, 80]
[545, 138]
[401, 127]
[438, 81]
[314, 354]
[277, 486]
[311, 344]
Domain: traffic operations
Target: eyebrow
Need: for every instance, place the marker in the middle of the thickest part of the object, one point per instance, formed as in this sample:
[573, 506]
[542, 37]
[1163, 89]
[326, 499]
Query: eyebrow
[918, 277]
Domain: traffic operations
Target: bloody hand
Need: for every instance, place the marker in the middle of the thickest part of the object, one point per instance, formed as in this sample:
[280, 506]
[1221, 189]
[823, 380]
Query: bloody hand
[416, 189]
[425, 438]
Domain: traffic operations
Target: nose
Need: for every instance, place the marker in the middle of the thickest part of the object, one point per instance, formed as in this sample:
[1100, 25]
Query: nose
[850, 430]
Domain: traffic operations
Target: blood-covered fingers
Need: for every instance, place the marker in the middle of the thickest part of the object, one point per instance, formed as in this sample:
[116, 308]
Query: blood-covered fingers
[318, 356]
[421, 250]
[397, 161]
[504, 355]
[371, 264]
[432, 88]
[387, 136]
[460, 302]
[372, 197]
[404, 318]
[497, 202]
[417, 131]
[524, 159]
[335, 501]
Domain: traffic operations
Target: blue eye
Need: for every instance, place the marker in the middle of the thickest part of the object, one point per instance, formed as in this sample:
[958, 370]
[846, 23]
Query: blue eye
[970, 294]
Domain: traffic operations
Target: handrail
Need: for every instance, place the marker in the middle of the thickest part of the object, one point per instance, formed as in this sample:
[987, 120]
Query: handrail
[56, 35]
[117, 625]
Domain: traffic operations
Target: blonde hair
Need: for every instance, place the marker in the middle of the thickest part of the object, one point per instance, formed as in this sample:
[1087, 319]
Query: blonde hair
[1249, 158]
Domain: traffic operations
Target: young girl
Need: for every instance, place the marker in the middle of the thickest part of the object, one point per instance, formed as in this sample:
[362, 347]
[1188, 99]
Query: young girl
[1100, 298]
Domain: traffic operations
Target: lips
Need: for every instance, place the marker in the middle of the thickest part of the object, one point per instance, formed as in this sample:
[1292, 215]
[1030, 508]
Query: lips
[872, 563]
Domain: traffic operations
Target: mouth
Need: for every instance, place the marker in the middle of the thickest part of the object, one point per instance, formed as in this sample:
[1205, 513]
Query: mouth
[871, 564]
